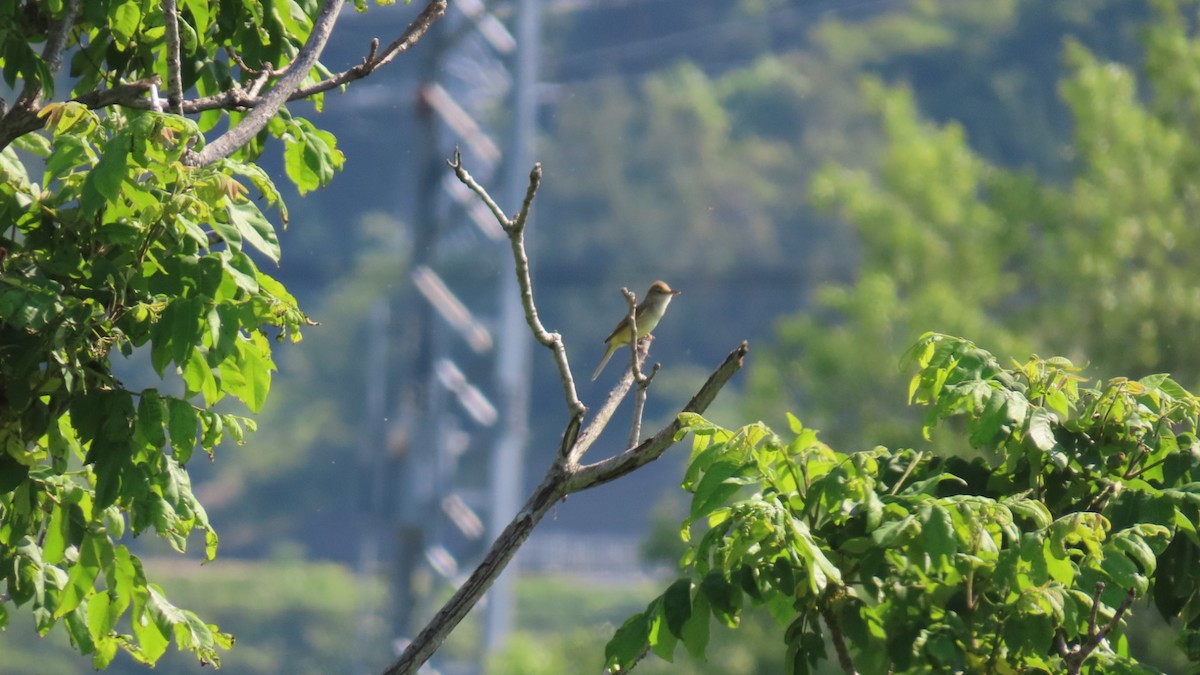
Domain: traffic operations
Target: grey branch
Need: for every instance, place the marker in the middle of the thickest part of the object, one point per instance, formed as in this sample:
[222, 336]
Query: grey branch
[23, 118]
[564, 475]
[604, 471]
[240, 134]
[1075, 656]
[515, 229]
[562, 479]
[839, 641]
[174, 78]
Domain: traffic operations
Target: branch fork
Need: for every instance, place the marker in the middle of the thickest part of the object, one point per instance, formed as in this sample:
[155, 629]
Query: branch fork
[566, 473]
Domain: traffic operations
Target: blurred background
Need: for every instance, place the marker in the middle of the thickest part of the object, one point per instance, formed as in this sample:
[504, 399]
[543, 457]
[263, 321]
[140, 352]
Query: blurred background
[825, 179]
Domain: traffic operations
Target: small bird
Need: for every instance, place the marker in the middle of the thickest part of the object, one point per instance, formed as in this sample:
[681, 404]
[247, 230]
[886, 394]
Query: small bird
[648, 313]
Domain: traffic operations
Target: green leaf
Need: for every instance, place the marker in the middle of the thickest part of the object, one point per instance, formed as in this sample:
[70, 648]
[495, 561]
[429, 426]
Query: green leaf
[937, 535]
[660, 638]
[82, 578]
[720, 482]
[182, 424]
[1041, 430]
[677, 605]
[311, 156]
[123, 20]
[198, 377]
[254, 228]
[723, 597]
[151, 623]
[103, 183]
[241, 269]
[694, 633]
[151, 418]
[12, 473]
[57, 534]
[628, 643]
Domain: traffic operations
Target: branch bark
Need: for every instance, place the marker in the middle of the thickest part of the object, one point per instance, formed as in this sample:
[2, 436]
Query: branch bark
[565, 475]
[241, 133]
[23, 118]
[1077, 655]
[174, 78]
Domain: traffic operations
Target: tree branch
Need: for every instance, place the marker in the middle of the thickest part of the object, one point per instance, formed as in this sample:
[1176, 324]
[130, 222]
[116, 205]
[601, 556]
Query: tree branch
[22, 117]
[839, 641]
[564, 475]
[240, 134]
[374, 58]
[1075, 656]
[561, 480]
[56, 42]
[174, 79]
[515, 229]
[604, 471]
[468, 595]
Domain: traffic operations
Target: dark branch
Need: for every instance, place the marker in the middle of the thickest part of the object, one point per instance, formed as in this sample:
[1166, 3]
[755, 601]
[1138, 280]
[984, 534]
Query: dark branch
[1077, 655]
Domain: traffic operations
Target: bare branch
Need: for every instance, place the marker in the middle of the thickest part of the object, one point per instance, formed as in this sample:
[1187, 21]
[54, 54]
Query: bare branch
[564, 475]
[56, 40]
[602, 417]
[639, 401]
[22, 117]
[467, 596]
[174, 78]
[432, 12]
[561, 480]
[267, 68]
[515, 229]
[467, 179]
[21, 121]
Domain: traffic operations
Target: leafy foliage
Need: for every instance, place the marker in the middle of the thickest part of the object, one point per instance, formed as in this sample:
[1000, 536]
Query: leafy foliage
[114, 243]
[1024, 562]
[107, 254]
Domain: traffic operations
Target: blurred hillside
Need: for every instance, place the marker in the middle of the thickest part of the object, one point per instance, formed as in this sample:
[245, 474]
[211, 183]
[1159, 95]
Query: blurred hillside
[679, 139]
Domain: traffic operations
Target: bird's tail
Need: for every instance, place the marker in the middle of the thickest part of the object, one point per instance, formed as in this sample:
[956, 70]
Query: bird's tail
[603, 362]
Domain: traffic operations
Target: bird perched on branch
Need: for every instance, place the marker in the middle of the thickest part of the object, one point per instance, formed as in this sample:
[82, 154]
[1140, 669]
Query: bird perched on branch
[647, 315]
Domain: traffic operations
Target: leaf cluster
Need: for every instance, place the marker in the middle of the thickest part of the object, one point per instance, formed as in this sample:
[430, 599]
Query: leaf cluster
[1023, 562]
[118, 246]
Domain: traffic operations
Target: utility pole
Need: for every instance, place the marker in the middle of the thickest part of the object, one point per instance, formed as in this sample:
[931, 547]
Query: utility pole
[513, 369]
[426, 510]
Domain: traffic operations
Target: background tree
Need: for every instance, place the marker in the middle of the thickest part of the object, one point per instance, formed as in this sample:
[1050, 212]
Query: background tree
[126, 230]
[1096, 265]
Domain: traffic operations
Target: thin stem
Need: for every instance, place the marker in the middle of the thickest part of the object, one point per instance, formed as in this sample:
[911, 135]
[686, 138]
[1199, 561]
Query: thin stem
[515, 229]
[839, 641]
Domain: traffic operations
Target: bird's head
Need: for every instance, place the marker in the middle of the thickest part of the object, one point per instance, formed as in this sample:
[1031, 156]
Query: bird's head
[661, 289]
